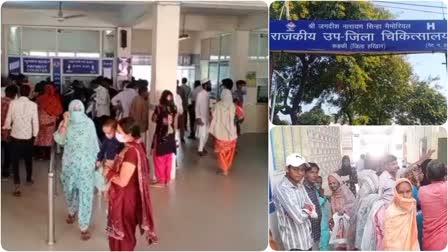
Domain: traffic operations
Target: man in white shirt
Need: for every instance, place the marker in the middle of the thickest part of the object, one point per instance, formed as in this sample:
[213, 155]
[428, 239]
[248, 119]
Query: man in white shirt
[125, 98]
[102, 108]
[23, 120]
[192, 107]
[202, 111]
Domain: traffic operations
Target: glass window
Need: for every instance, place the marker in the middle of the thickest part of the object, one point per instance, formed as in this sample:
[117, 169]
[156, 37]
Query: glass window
[38, 39]
[109, 43]
[226, 47]
[84, 41]
[14, 40]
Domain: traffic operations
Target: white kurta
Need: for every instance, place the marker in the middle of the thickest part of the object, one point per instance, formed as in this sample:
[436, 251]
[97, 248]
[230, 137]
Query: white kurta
[202, 110]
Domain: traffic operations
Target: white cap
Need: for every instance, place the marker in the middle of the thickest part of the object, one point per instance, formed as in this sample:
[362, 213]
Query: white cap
[295, 160]
[204, 81]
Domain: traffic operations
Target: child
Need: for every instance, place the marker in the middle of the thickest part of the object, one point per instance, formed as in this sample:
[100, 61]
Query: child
[110, 147]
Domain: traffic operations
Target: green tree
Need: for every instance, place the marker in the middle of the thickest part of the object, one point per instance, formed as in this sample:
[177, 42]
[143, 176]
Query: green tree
[315, 116]
[422, 105]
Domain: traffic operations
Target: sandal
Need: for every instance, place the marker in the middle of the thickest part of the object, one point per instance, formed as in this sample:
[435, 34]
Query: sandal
[17, 193]
[70, 219]
[85, 235]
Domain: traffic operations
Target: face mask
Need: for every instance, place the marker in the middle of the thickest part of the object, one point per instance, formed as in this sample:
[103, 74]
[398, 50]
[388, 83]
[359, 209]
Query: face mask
[120, 137]
[318, 186]
[244, 90]
[110, 136]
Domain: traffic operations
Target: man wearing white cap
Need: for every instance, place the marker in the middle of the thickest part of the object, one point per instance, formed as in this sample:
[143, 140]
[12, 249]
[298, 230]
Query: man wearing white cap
[294, 207]
[202, 110]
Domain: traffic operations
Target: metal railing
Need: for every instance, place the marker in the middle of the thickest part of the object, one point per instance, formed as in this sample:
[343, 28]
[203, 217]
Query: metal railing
[51, 197]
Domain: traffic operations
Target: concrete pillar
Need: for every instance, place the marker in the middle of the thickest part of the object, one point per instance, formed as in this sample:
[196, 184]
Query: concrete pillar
[165, 48]
[239, 57]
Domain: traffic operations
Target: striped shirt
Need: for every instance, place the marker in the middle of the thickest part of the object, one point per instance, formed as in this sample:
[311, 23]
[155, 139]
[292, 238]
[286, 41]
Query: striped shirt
[293, 222]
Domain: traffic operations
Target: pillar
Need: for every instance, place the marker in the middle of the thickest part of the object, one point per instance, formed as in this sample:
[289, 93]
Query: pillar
[239, 57]
[165, 48]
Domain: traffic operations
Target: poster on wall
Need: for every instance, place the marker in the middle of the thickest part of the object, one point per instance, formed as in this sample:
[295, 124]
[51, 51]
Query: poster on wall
[81, 66]
[251, 79]
[14, 65]
[124, 67]
[36, 65]
[57, 71]
[108, 65]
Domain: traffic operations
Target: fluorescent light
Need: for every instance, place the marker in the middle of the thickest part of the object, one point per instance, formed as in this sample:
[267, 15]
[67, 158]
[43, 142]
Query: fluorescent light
[87, 55]
[13, 29]
[108, 32]
[36, 53]
[184, 36]
[66, 54]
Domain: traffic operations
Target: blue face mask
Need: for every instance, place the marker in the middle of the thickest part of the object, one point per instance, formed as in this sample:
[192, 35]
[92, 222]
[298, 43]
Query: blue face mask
[244, 90]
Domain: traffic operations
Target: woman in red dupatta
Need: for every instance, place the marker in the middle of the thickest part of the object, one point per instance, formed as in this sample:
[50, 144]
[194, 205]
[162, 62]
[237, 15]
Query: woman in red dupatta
[50, 108]
[129, 198]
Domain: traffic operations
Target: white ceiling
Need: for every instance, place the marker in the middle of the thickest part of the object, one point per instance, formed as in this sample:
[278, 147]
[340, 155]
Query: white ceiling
[240, 8]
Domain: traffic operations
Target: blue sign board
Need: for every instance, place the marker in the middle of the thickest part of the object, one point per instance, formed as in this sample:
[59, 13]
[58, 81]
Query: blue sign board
[81, 66]
[14, 65]
[354, 36]
[108, 63]
[57, 71]
[36, 65]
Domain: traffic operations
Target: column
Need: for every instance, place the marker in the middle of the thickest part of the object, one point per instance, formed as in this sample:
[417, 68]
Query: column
[165, 48]
[239, 55]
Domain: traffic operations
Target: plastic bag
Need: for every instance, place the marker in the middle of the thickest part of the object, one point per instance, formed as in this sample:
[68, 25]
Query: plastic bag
[100, 182]
[339, 233]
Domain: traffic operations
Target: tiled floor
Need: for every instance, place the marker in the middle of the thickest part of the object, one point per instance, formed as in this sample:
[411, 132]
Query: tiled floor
[199, 211]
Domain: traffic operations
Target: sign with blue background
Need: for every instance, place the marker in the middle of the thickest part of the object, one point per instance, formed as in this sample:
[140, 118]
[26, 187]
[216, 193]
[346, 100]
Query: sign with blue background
[14, 65]
[355, 36]
[81, 66]
[36, 65]
[57, 71]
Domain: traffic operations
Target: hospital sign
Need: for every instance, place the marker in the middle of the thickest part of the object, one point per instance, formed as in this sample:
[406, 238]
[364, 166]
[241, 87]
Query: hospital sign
[354, 36]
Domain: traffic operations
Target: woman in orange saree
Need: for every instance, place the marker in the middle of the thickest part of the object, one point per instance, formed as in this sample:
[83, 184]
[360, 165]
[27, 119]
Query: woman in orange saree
[223, 128]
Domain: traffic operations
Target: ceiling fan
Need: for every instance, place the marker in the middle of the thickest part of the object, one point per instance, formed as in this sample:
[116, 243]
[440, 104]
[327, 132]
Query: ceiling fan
[60, 17]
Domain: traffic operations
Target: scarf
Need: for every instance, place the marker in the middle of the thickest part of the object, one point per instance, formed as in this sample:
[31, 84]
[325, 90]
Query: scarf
[49, 101]
[400, 225]
[115, 225]
[342, 199]
[222, 125]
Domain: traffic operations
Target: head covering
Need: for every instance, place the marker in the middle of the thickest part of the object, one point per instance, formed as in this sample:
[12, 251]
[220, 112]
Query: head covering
[368, 183]
[400, 225]
[203, 81]
[342, 199]
[222, 125]
[295, 160]
[50, 101]
[77, 113]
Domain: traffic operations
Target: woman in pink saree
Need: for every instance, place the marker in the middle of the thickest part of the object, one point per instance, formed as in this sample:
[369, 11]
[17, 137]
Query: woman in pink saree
[129, 197]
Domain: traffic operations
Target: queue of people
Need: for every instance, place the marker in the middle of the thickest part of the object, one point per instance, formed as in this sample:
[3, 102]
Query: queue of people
[102, 133]
[392, 208]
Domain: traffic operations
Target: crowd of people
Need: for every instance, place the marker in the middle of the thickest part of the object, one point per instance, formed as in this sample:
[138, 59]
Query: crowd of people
[377, 207]
[103, 134]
